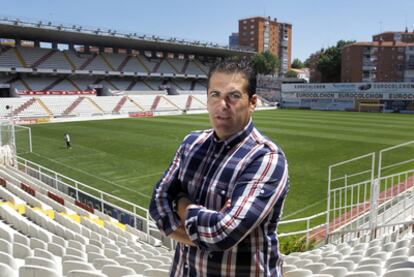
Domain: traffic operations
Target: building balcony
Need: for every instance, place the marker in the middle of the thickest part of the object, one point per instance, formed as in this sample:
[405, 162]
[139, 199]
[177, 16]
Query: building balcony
[369, 67]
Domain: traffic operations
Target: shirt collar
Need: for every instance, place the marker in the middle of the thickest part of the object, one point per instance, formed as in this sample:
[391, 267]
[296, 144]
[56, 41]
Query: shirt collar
[236, 138]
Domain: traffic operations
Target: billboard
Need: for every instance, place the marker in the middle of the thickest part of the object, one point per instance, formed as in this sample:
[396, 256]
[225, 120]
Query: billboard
[379, 91]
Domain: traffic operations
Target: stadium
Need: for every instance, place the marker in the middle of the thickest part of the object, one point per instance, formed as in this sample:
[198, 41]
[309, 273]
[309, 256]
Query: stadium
[127, 101]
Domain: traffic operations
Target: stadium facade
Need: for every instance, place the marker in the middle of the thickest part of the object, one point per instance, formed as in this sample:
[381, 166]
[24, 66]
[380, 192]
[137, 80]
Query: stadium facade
[375, 97]
[80, 59]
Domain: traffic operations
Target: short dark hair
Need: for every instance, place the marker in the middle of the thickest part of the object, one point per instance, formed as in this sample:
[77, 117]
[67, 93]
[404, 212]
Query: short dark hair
[230, 67]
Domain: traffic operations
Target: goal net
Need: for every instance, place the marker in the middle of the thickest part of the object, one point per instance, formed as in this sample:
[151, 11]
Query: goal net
[18, 138]
[371, 107]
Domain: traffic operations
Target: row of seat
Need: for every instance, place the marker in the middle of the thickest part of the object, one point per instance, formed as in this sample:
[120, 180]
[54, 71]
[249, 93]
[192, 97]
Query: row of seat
[58, 106]
[378, 257]
[41, 241]
[40, 58]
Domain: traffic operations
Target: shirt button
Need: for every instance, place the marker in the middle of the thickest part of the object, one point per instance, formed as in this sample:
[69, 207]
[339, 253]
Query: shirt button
[185, 265]
[216, 155]
[223, 192]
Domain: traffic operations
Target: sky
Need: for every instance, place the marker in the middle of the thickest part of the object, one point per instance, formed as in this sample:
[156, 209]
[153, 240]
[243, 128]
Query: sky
[316, 24]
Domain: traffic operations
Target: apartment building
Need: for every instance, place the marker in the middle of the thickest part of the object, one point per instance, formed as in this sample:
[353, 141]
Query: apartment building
[264, 33]
[388, 58]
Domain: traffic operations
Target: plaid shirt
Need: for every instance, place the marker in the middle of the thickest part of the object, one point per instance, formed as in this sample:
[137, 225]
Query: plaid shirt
[241, 241]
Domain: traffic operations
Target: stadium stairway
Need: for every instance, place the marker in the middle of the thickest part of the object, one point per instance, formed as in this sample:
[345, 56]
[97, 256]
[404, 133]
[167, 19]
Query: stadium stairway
[43, 233]
[119, 105]
[27, 104]
[184, 69]
[88, 61]
[124, 62]
[73, 106]
[44, 58]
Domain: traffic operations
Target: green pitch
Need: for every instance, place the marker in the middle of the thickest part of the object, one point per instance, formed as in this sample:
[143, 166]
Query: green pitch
[126, 157]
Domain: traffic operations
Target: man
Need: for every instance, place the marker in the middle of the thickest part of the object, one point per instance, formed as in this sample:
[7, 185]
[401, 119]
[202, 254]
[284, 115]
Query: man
[222, 195]
[66, 137]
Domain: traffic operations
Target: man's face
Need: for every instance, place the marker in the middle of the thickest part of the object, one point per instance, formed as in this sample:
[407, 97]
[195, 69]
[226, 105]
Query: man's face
[228, 103]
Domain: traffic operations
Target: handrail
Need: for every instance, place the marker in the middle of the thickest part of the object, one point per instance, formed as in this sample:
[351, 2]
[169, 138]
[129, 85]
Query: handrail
[146, 220]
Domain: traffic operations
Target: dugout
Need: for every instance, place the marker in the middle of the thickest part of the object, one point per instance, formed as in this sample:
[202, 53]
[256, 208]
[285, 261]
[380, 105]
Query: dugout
[7, 90]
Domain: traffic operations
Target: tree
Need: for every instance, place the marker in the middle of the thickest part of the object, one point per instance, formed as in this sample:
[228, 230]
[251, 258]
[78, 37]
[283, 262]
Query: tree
[329, 63]
[265, 63]
[297, 64]
[291, 74]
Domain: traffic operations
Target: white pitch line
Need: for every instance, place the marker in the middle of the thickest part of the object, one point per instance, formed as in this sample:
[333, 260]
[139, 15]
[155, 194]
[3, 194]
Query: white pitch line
[87, 173]
[138, 177]
[301, 210]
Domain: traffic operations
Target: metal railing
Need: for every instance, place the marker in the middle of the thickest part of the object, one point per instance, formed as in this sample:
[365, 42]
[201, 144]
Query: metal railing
[139, 215]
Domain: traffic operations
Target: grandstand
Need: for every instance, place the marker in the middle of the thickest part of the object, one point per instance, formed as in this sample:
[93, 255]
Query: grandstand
[52, 225]
[82, 59]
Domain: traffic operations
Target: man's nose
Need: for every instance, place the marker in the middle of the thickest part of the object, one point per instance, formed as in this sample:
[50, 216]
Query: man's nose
[224, 102]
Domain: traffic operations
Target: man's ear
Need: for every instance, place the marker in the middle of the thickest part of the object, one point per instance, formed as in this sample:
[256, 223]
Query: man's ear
[253, 102]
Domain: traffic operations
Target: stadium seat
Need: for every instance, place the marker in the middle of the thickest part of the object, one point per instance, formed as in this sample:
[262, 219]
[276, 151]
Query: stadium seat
[403, 251]
[8, 260]
[388, 247]
[395, 259]
[374, 261]
[301, 263]
[314, 257]
[5, 246]
[315, 267]
[92, 256]
[7, 271]
[286, 268]
[382, 255]
[298, 273]
[99, 263]
[37, 243]
[406, 264]
[21, 251]
[349, 265]
[37, 271]
[68, 266]
[361, 274]
[372, 250]
[116, 270]
[355, 258]
[122, 260]
[402, 243]
[155, 273]
[138, 266]
[153, 262]
[41, 262]
[402, 272]
[377, 269]
[44, 254]
[84, 273]
[335, 271]
[329, 260]
[290, 259]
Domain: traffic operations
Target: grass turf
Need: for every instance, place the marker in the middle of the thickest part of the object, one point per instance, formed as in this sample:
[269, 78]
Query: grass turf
[125, 157]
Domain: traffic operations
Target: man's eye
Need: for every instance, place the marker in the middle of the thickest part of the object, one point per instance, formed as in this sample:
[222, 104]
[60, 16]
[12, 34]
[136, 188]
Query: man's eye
[214, 94]
[235, 96]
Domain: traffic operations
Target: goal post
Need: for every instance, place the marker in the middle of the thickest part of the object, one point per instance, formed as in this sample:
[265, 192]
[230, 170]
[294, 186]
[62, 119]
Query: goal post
[23, 136]
[17, 137]
[371, 107]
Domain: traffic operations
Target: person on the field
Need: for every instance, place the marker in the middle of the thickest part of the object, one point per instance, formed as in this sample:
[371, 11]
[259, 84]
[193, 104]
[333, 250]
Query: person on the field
[66, 137]
[222, 196]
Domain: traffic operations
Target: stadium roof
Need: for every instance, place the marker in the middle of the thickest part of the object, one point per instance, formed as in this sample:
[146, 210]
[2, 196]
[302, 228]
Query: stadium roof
[49, 32]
